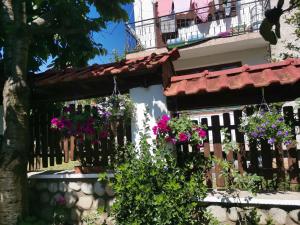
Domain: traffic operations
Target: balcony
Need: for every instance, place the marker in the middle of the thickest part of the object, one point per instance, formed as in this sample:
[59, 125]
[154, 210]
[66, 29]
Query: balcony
[187, 29]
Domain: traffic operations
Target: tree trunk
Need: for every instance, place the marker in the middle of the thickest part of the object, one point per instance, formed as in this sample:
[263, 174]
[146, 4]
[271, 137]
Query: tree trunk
[13, 153]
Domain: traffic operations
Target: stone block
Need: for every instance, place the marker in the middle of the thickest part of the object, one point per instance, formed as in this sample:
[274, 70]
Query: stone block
[233, 214]
[85, 202]
[218, 212]
[74, 186]
[44, 197]
[41, 186]
[62, 186]
[71, 199]
[278, 216]
[109, 191]
[52, 187]
[295, 215]
[98, 203]
[87, 188]
[99, 189]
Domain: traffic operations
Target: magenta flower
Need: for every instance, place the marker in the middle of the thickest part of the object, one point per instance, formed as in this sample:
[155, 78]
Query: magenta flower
[202, 133]
[183, 137]
[165, 118]
[163, 125]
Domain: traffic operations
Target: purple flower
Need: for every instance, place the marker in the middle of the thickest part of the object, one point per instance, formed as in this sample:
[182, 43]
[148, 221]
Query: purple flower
[254, 134]
[280, 133]
[287, 142]
[273, 126]
[286, 133]
[271, 141]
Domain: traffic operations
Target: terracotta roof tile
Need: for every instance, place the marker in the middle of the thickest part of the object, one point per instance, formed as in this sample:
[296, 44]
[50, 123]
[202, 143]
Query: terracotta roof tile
[256, 76]
[125, 66]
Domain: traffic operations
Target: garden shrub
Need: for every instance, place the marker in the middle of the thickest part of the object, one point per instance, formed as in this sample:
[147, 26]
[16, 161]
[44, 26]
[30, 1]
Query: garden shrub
[151, 188]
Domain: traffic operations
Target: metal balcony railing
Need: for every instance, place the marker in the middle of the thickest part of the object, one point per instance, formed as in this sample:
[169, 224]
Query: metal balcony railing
[178, 29]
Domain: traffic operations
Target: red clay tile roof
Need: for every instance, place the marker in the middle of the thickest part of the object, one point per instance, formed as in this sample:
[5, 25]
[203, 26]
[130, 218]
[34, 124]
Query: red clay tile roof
[282, 73]
[130, 66]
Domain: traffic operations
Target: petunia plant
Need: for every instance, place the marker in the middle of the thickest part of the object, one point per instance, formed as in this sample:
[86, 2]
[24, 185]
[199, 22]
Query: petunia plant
[268, 126]
[90, 124]
[179, 130]
[93, 124]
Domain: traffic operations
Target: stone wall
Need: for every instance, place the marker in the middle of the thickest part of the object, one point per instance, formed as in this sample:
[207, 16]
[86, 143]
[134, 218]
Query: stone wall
[85, 195]
[82, 196]
[232, 215]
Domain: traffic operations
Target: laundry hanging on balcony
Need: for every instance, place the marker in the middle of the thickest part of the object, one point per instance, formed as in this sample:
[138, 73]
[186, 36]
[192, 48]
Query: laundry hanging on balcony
[165, 10]
[203, 8]
[164, 7]
[182, 6]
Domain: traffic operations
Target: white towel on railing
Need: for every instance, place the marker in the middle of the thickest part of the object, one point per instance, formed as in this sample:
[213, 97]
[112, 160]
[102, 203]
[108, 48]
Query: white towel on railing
[181, 5]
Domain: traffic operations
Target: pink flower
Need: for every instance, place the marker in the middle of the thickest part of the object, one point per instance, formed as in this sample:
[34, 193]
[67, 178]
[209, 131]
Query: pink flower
[57, 123]
[163, 126]
[170, 140]
[165, 118]
[202, 133]
[183, 137]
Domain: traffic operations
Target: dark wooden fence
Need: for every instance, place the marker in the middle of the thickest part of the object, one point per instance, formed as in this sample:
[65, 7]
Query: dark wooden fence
[261, 159]
[49, 148]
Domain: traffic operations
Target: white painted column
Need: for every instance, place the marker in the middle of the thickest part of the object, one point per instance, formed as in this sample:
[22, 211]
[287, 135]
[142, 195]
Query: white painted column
[151, 99]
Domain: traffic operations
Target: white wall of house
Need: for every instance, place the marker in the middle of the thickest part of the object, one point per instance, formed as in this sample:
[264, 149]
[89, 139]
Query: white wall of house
[249, 56]
[287, 34]
[144, 26]
[149, 99]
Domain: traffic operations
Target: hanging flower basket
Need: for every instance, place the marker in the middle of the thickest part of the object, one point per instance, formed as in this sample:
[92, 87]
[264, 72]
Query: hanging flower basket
[179, 131]
[267, 125]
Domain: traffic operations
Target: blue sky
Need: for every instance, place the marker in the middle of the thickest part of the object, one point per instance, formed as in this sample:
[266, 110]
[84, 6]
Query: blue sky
[111, 38]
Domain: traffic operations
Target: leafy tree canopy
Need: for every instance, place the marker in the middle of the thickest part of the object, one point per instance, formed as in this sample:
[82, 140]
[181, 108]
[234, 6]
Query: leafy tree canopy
[63, 30]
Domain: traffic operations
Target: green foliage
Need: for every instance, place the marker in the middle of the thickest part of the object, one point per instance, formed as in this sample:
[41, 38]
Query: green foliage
[234, 180]
[67, 30]
[30, 220]
[252, 218]
[151, 189]
[92, 218]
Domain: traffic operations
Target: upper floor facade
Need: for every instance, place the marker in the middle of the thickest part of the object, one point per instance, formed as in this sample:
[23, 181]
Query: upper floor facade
[210, 34]
[172, 23]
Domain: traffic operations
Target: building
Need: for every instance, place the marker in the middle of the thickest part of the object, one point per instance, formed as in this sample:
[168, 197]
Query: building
[210, 35]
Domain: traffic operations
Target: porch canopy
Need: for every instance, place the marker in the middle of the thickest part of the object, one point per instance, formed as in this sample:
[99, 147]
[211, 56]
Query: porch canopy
[97, 80]
[279, 81]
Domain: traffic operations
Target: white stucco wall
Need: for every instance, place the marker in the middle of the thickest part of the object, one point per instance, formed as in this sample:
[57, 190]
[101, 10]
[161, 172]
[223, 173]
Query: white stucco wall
[249, 56]
[287, 35]
[149, 99]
